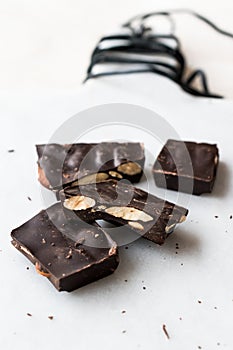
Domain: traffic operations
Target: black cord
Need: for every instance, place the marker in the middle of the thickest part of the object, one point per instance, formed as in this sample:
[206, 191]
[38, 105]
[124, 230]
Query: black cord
[181, 11]
[152, 52]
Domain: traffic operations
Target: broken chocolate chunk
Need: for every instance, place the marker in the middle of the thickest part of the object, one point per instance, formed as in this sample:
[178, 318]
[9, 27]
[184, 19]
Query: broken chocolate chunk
[187, 167]
[83, 163]
[49, 240]
[122, 204]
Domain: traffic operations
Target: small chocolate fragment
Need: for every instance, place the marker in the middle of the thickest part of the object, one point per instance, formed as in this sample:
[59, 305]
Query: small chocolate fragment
[187, 167]
[123, 204]
[165, 331]
[82, 163]
[67, 266]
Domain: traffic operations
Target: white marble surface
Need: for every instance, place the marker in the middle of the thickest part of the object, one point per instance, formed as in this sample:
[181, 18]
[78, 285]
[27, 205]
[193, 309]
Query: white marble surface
[92, 316]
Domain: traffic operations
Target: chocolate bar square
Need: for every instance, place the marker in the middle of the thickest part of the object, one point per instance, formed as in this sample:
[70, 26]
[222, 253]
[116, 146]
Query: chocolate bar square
[123, 204]
[187, 167]
[70, 253]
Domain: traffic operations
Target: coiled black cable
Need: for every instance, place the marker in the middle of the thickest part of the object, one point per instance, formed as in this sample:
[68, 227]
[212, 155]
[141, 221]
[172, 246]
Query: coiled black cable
[142, 47]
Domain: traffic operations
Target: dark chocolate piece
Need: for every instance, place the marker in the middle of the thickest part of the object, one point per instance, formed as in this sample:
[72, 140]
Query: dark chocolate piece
[70, 253]
[187, 167]
[123, 204]
[62, 165]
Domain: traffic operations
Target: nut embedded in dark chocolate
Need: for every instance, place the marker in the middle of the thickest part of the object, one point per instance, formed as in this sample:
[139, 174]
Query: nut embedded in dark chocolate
[62, 165]
[69, 253]
[187, 167]
[123, 204]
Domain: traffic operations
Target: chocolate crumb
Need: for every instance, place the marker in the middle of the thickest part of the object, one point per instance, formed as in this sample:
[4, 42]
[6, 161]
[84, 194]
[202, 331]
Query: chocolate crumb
[165, 331]
[10, 150]
[29, 198]
[50, 317]
[28, 314]
[199, 301]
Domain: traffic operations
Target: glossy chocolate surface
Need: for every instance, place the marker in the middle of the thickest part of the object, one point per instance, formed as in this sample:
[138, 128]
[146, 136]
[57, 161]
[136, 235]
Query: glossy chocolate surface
[124, 204]
[60, 165]
[68, 252]
[187, 166]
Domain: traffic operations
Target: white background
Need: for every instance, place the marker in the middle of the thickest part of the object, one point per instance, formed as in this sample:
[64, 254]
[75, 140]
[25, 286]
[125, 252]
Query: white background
[91, 317]
[46, 44]
[45, 48]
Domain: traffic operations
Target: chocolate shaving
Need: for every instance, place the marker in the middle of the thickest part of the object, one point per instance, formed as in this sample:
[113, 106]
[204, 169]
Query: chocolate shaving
[165, 331]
